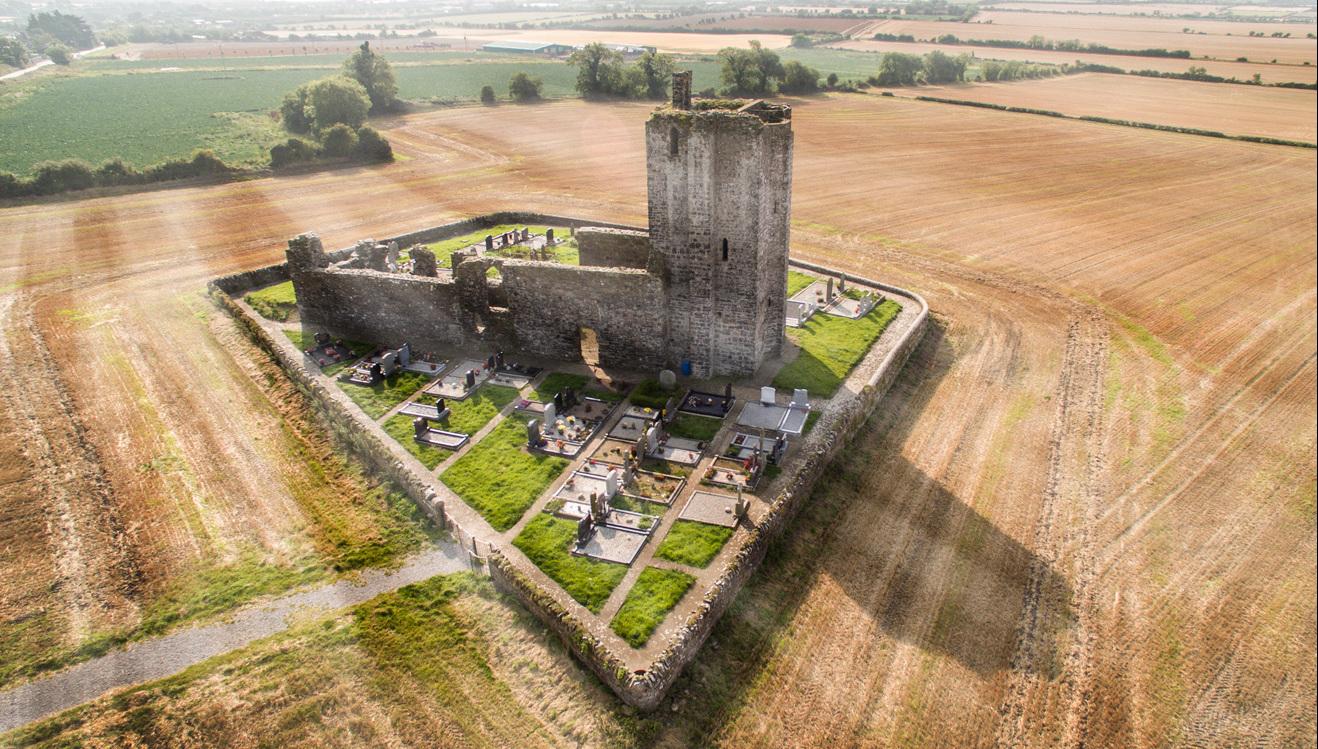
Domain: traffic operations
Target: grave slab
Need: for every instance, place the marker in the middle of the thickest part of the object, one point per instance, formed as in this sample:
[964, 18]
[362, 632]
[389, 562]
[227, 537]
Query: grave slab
[613, 544]
[708, 507]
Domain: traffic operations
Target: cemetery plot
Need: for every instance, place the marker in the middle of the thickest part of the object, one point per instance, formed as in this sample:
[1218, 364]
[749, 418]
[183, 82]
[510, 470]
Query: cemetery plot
[499, 478]
[709, 404]
[330, 354]
[615, 452]
[547, 541]
[679, 450]
[610, 544]
[823, 296]
[653, 486]
[630, 428]
[734, 473]
[378, 398]
[690, 426]
[708, 507]
[567, 423]
[461, 381]
[767, 414]
[655, 593]
[745, 446]
[652, 395]
[523, 242]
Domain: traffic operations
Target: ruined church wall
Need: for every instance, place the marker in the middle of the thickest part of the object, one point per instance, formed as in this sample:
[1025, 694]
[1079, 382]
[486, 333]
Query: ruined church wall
[613, 248]
[383, 308]
[549, 305]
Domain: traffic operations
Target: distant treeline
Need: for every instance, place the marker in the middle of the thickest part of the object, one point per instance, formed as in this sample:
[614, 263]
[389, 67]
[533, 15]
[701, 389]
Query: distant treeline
[1040, 43]
[1125, 123]
[1200, 74]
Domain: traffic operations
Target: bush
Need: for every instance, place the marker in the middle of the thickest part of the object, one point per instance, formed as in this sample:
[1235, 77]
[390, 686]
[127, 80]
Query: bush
[799, 78]
[339, 141]
[61, 176]
[294, 151]
[59, 54]
[524, 88]
[11, 186]
[337, 100]
[487, 94]
[12, 52]
[294, 111]
[371, 145]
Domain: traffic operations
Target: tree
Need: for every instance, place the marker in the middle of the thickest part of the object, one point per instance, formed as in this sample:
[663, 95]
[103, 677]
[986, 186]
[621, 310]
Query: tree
[832, 80]
[375, 75]
[749, 72]
[58, 54]
[336, 99]
[372, 145]
[292, 152]
[296, 111]
[802, 41]
[487, 94]
[12, 52]
[599, 70]
[340, 140]
[524, 88]
[940, 67]
[799, 78]
[68, 29]
[656, 71]
[898, 69]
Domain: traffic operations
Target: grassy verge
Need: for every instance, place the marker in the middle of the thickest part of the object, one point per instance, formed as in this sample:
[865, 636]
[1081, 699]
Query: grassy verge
[650, 394]
[655, 593]
[796, 280]
[273, 302]
[830, 347]
[499, 478]
[377, 399]
[546, 541]
[695, 427]
[692, 543]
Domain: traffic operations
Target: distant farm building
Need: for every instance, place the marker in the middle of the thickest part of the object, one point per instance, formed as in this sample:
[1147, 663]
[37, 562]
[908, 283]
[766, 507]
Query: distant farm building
[534, 48]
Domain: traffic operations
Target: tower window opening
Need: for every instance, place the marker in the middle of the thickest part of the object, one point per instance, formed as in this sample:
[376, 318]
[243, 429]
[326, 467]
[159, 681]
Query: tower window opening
[725, 249]
[672, 142]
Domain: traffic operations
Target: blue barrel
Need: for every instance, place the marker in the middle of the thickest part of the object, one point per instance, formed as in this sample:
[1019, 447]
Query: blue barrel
[686, 367]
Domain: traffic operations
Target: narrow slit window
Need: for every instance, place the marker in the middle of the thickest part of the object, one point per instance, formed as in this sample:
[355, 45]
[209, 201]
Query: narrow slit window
[725, 249]
[672, 142]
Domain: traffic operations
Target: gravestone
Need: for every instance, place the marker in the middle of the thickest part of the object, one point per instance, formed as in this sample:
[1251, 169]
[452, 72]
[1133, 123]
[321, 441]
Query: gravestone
[489, 243]
[727, 393]
[498, 360]
[842, 282]
[611, 483]
[768, 396]
[391, 254]
[322, 339]
[419, 427]
[471, 379]
[667, 379]
[551, 415]
[389, 363]
[533, 433]
[801, 398]
[652, 439]
[549, 236]
[583, 530]
[828, 295]
[599, 507]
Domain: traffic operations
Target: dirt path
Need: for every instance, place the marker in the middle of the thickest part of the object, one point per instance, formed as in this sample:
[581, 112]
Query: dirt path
[161, 656]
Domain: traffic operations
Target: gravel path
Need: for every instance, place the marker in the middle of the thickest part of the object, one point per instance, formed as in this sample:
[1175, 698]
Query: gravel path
[162, 656]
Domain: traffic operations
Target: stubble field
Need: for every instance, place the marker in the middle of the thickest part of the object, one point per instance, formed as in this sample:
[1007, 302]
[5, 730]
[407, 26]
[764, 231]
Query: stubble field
[1290, 114]
[1083, 516]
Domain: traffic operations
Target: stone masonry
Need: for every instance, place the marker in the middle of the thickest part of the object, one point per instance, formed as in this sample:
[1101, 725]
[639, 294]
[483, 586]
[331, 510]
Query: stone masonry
[705, 287]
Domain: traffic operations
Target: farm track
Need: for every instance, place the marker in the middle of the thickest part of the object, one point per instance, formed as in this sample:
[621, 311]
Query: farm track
[1112, 309]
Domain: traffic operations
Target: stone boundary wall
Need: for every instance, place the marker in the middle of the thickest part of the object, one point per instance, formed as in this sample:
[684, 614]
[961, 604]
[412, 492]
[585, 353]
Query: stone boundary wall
[839, 424]
[642, 689]
[617, 248]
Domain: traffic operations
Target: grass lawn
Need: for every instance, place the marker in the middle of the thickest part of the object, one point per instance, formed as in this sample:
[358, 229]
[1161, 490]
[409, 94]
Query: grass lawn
[692, 543]
[655, 593]
[499, 478]
[467, 417]
[546, 541]
[377, 399]
[830, 347]
[273, 302]
[796, 280]
[445, 248]
[650, 394]
[695, 427]
[555, 382]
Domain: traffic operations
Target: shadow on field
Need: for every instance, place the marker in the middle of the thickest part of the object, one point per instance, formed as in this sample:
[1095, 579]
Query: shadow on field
[914, 521]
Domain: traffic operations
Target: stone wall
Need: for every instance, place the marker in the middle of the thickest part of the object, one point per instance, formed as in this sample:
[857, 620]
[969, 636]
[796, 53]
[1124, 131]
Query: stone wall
[613, 248]
[383, 308]
[550, 304]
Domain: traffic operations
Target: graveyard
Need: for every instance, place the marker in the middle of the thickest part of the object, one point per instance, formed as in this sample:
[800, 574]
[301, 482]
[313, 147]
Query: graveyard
[613, 420]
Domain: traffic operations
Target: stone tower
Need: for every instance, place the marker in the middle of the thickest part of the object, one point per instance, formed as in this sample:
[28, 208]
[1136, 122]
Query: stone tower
[720, 188]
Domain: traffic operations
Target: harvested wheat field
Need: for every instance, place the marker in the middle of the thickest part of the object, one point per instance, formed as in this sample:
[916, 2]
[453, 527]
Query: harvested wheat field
[1291, 114]
[1063, 25]
[1084, 515]
[1291, 51]
[1244, 71]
